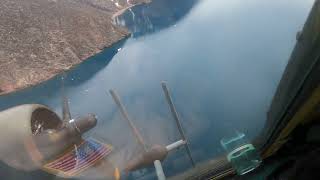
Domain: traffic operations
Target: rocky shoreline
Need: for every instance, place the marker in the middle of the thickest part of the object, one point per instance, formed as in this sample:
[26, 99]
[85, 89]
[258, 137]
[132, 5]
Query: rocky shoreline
[42, 38]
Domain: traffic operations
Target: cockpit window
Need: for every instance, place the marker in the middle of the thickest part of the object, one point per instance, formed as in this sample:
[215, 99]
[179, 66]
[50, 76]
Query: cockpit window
[220, 61]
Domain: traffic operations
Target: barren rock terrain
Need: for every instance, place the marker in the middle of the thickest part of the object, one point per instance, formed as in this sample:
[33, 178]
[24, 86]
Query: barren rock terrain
[41, 38]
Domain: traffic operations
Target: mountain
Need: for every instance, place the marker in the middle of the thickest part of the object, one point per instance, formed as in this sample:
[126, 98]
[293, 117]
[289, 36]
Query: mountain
[41, 38]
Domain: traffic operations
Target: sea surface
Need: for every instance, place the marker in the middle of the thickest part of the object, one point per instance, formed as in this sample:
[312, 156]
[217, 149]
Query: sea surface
[222, 61]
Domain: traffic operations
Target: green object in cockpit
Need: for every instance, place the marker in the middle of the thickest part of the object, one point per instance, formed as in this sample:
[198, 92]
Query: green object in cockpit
[241, 154]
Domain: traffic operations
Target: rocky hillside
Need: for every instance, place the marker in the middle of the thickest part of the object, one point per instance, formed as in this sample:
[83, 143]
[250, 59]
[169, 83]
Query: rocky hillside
[40, 38]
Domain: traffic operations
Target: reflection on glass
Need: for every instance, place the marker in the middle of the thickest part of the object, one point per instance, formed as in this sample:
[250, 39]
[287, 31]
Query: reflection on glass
[241, 153]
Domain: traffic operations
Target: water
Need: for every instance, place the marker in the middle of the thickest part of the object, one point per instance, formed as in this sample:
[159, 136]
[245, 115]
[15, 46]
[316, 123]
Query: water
[222, 61]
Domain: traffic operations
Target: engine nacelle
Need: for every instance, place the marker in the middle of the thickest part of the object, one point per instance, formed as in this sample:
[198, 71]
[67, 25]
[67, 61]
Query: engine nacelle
[32, 134]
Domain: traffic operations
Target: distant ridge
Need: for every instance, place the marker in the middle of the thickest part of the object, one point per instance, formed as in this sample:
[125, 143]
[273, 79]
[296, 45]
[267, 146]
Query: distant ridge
[41, 38]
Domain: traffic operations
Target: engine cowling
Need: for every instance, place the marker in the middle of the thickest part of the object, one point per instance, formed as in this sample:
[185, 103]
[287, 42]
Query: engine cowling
[32, 134]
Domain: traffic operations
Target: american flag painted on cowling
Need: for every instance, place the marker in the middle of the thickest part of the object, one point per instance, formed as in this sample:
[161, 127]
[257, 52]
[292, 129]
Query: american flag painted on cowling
[79, 158]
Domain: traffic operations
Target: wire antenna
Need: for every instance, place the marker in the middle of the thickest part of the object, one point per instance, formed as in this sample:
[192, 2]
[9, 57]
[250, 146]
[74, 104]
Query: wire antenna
[125, 115]
[177, 120]
[66, 115]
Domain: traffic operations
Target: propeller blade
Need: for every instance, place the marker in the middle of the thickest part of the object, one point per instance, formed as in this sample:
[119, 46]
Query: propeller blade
[125, 115]
[66, 115]
[176, 118]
